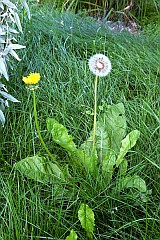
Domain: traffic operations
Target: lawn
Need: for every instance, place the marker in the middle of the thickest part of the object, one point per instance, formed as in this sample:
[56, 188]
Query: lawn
[58, 46]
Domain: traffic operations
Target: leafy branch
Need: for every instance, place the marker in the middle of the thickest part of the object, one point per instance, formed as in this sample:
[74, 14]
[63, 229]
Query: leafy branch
[8, 46]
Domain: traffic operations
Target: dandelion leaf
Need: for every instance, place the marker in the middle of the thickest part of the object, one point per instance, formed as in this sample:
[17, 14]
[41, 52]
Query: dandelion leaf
[39, 169]
[108, 165]
[88, 159]
[72, 235]
[60, 135]
[111, 129]
[127, 143]
[123, 167]
[88, 155]
[86, 217]
[133, 182]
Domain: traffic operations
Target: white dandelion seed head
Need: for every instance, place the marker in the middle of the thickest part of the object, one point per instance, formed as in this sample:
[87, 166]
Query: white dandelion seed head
[99, 65]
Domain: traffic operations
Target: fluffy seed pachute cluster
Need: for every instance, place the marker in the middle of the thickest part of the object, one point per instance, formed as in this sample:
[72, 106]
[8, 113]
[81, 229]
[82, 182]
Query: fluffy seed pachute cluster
[100, 65]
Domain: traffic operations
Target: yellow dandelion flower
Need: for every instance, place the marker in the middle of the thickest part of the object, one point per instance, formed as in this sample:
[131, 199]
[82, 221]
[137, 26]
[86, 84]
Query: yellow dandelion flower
[32, 79]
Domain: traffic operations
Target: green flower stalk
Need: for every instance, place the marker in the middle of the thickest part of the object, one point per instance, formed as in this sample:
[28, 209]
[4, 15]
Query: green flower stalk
[37, 127]
[100, 66]
[95, 110]
[31, 81]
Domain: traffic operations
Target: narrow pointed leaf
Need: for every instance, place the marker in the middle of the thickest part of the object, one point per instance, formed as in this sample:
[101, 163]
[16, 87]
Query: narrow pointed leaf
[2, 118]
[25, 5]
[17, 20]
[8, 96]
[9, 4]
[14, 54]
[3, 69]
[15, 46]
[2, 86]
[12, 30]
[127, 143]
[2, 40]
[1, 6]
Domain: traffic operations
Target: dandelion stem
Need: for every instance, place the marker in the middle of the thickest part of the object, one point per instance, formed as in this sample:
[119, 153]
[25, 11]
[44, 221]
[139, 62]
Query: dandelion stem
[38, 130]
[95, 111]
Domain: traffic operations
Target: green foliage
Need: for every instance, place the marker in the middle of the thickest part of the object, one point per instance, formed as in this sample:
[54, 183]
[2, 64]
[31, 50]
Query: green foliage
[110, 149]
[127, 143]
[60, 135]
[88, 156]
[109, 9]
[86, 217]
[72, 235]
[4, 102]
[111, 129]
[133, 182]
[9, 18]
[40, 169]
[30, 208]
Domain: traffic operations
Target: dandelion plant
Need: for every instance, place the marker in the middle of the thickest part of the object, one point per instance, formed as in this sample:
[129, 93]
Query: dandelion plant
[100, 66]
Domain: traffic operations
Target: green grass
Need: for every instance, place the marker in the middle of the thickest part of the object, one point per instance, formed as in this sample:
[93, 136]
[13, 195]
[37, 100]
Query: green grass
[59, 46]
[141, 10]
